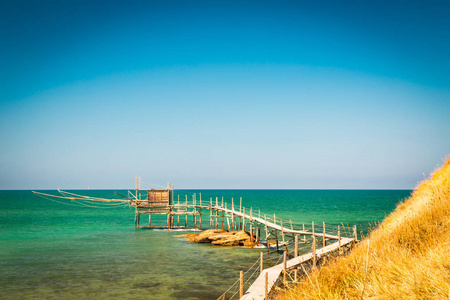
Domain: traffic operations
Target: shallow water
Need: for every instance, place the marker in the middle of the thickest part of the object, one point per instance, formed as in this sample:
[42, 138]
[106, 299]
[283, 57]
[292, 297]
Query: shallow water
[52, 250]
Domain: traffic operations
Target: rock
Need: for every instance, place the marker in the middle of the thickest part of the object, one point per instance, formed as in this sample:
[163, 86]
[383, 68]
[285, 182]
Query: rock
[204, 237]
[223, 238]
[233, 239]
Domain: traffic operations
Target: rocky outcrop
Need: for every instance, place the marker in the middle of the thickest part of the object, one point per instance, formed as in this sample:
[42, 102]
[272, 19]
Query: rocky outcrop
[223, 238]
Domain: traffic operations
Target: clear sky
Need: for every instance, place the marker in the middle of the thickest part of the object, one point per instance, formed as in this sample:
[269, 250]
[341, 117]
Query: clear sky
[223, 94]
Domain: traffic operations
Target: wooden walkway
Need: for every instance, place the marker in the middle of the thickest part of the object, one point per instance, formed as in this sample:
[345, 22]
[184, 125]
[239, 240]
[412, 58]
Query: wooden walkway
[269, 224]
[257, 289]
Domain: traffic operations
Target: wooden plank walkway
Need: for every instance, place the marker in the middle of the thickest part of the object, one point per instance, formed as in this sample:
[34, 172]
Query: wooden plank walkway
[270, 224]
[257, 289]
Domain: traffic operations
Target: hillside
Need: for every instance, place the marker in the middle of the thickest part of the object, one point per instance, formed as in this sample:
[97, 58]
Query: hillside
[406, 257]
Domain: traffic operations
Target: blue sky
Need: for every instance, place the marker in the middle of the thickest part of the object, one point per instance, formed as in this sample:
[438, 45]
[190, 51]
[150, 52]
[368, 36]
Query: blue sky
[223, 94]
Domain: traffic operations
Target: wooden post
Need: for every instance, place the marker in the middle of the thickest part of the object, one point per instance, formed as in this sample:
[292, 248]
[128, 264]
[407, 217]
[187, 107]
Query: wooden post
[282, 231]
[210, 214]
[195, 218]
[304, 237]
[243, 221]
[185, 222]
[296, 245]
[135, 221]
[232, 215]
[240, 205]
[292, 227]
[257, 233]
[284, 268]
[261, 266]
[267, 234]
[314, 251]
[324, 241]
[339, 238]
[266, 289]
[149, 220]
[168, 222]
[241, 285]
[139, 219]
[178, 221]
[200, 218]
[251, 227]
[217, 201]
[217, 219]
[200, 199]
[276, 238]
[259, 213]
[313, 233]
[222, 202]
[355, 233]
[274, 220]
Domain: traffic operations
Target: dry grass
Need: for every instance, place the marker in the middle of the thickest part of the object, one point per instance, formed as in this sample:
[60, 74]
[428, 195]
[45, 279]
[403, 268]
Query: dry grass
[406, 257]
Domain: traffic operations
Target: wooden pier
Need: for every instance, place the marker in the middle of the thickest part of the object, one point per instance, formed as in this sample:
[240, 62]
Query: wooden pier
[162, 202]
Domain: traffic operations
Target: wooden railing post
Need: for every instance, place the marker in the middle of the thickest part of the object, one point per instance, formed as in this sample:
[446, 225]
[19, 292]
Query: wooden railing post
[243, 220]
[261, 266]
[241, 285]
[314, 251]
[355, 233]
[304, 237]
[267, 234]
[266, 287]
[284, 268]
[324, 241]
[339, 238]
[296, 245]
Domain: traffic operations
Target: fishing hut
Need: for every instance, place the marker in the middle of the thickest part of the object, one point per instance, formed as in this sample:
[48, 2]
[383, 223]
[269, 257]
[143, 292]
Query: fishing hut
[161, 202]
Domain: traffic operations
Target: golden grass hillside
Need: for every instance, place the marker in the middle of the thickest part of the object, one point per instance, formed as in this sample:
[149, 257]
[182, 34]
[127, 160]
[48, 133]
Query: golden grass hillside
[406, 257]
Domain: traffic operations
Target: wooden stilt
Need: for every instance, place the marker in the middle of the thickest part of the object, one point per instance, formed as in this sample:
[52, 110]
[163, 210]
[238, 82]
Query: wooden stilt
[284, 268]
[150, 220]
[243, 221]
[251, 227]
[267, 234]
[178, 221]
[276, 239]
[232, 215]
[292, 227]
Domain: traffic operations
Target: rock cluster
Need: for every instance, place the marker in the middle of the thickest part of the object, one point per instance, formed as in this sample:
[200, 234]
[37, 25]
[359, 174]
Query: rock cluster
[223, 238]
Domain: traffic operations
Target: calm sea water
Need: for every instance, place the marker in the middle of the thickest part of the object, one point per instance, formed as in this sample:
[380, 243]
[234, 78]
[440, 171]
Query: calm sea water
[54, 250]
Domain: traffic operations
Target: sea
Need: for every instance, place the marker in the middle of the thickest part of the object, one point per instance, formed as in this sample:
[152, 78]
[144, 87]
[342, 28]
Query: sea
[64, 250]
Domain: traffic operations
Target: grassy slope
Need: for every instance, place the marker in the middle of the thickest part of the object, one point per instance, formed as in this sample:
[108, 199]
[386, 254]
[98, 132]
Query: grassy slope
[406, 257]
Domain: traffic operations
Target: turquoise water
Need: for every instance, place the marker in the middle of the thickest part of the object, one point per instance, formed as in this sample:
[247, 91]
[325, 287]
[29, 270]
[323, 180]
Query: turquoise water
[52, 250]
